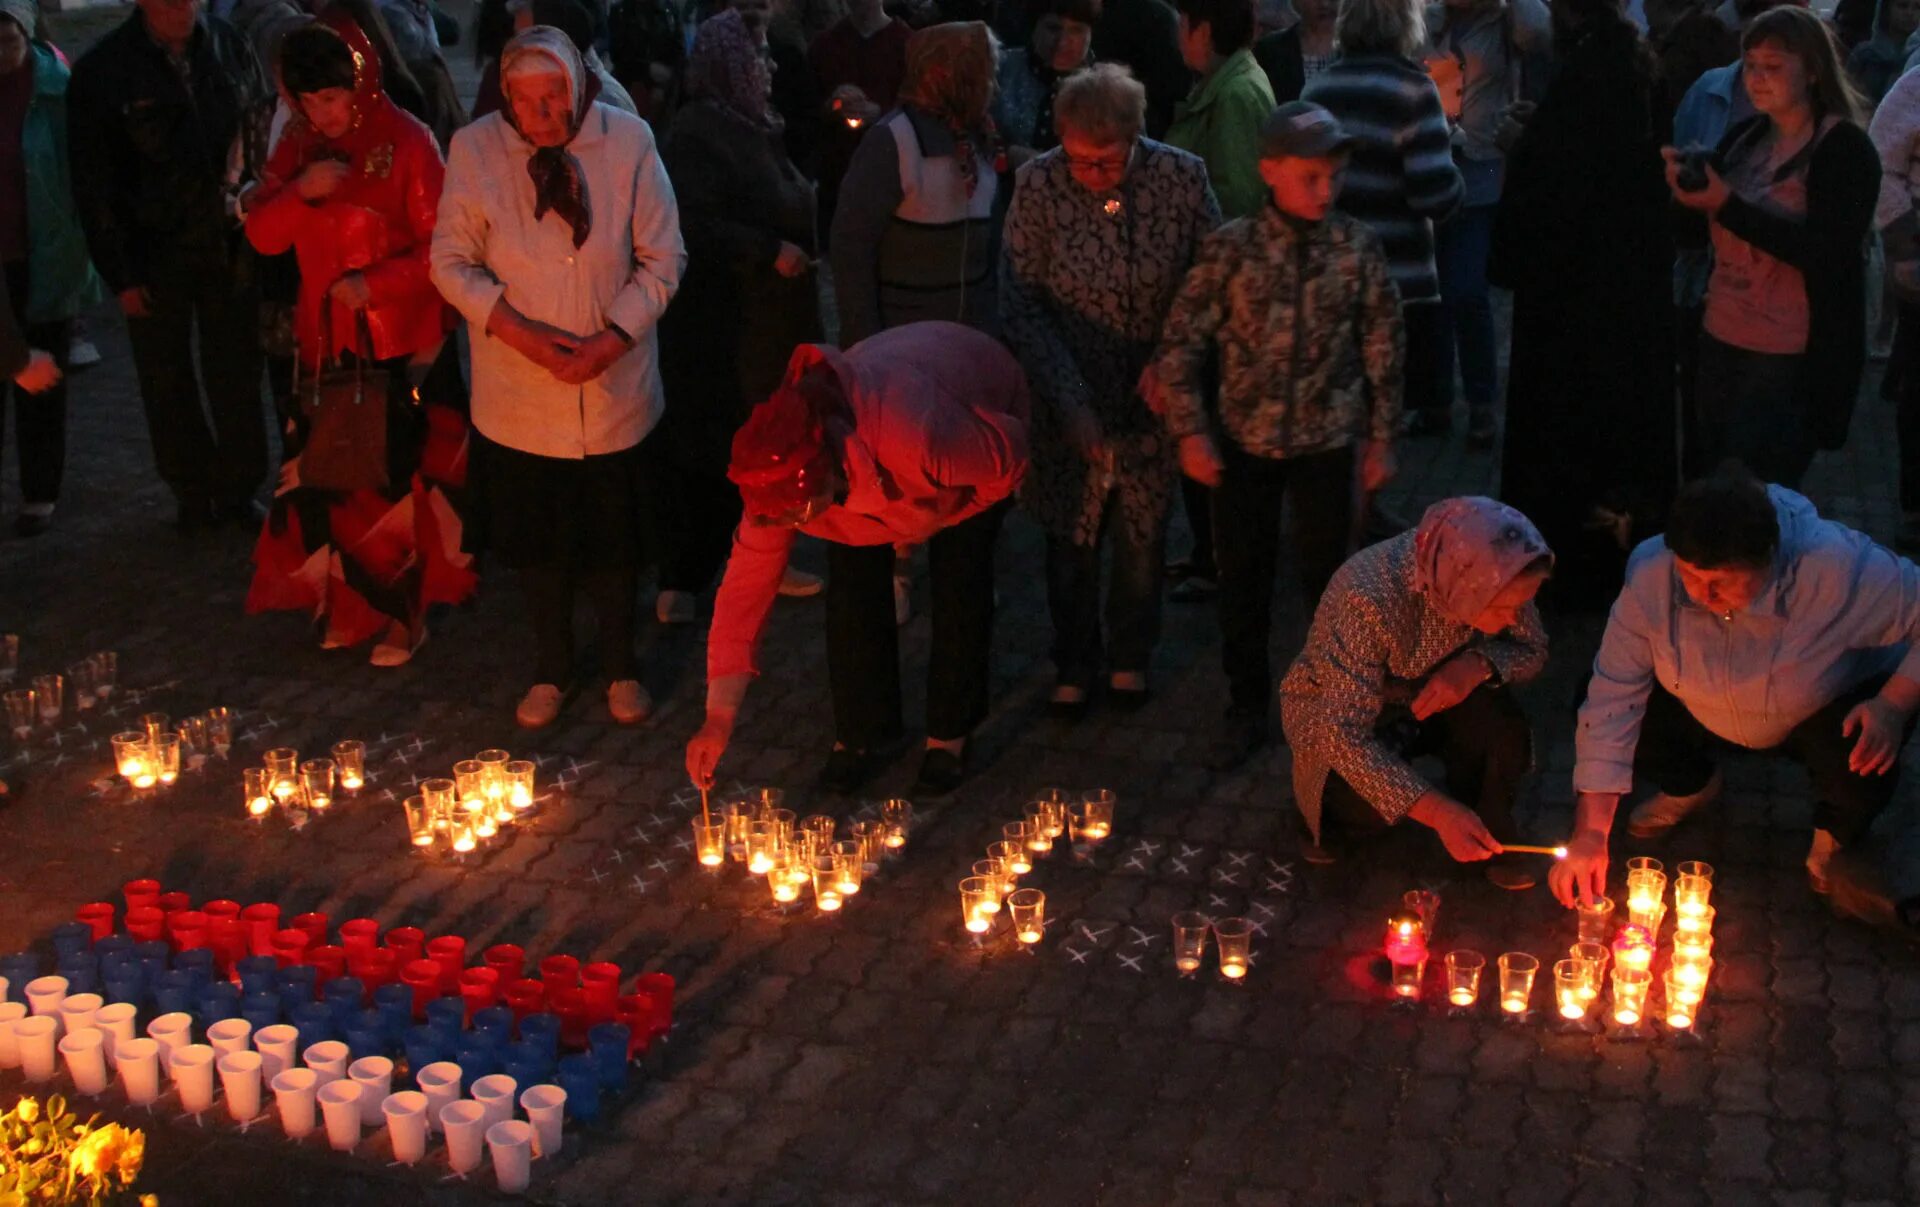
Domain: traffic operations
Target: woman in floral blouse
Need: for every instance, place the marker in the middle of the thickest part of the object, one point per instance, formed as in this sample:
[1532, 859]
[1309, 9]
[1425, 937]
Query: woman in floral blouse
[1100, 232]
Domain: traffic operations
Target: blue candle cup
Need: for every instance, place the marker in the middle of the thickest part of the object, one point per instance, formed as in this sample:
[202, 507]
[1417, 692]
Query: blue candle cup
[607, 1043]
[155, 958]
[448, 1015]
[543, 1029]
[395, 1004]
[364, 1041]
[112, 946]
[533, 1055]
[347, 995]
[81, 970]
[526, 1072]
[424, 1046]
[315, 1021]
[297, 986]
[71, 938]
[260, 1009]
[198, 961]
[258, 974]
[218, 1001]
[495, 1020]
[19, 968]
[477, 1058]
[579, 1076]
[174, 993]
[127, 986]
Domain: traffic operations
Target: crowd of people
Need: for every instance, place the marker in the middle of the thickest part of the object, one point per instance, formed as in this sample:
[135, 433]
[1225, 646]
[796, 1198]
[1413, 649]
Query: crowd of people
[688, 282]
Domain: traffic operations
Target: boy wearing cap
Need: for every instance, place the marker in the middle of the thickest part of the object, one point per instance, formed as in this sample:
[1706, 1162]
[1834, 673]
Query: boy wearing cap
[1297, 300]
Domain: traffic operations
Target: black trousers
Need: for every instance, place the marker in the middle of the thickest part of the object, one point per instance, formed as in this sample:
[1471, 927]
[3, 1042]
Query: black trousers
[221, 462]
[863, 642]
[1484, 742]
[39, 420]
[1246, 512]
[1676, 755]
[1907, 414]
[1425, 324]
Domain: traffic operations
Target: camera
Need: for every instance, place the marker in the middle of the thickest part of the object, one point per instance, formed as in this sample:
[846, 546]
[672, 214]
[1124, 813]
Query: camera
[1692, 176]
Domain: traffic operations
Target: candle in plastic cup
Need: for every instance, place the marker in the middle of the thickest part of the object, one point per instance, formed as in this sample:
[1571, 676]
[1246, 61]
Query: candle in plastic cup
[240, 1084]
[762, 843]
[230, 1035]
[327, 1059]
[1463, 969]
[340, 1107]
[171, 1031]
[546, 1109]
[1233, 939]
[350, 759]
[293, 1096]
[257, 791]
[166, 758]
[1028, 907]
[37, 1037]
[440, 1082]
[374, 1076]
[1630, 986]
[277, 1045]
[897, 816]
[44, 995]
[710, 843]
[979, 902]
[86, 1059]
[11, 1014]
[780, 879]
[133, 758]
[406, 1116]
[848, 859]
[496, 1094]
[139, 1062]
[118, 1020]
[1189, 941]
[826, 883]
[465, 1124]
[1570, 988]
[1517, 970]
[192, 1067]
[77, 1011]
[520, 785]
[511, 1143]
[1016, 833]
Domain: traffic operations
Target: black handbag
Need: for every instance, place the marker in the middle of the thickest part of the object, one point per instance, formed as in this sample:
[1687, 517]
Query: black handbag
[346, 412]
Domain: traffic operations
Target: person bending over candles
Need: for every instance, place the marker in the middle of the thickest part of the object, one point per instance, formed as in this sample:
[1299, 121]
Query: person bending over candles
[1411, 650]
[1752, 623]
[916, 434]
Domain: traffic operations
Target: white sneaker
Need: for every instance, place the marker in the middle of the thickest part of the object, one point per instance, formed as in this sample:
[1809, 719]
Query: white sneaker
[81, 354]
[902, 599]
[1660, 812]
[798, 584]
[1818, 856]
[628, 701]
[538, 707]
[676, 607]
[390, 653]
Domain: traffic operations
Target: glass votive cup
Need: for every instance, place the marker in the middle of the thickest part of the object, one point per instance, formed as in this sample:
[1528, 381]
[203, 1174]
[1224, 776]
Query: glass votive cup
[1233, 942]
[493, 772]
[1099, 804]
[1645, 863]
[1596, 920]
[258, 792]
[979, 902]
[482, 820]
[219, 723]
[193, 732]
[1595, 957]
[350, 763]
[166, 758]
[1053, 812]
[849, 860]
[1699, 922]
[49, 697]
[1689, 973]
[157, 723]
[1570, 997]
[133, 758]
[1463, 969]
[420, 829]
[80, 683]
[441, 793]
[737, 816]
[1039, 836]
[710, 843]
[1694, 867]
[316, 780]
[1693, 945]
[1015, 835]
[897, 815]
[106, 673]
[827, 895]
[1426, 903]
[1077, 831]
[996, 871]
[1028, 908]
[283, 772]
[460, 835]
[1517, 970]
[780, 878]
[1189, 941]
[468, 780]
[1683, 1003]
[784, 823]
[520, 785]
[22, 715]
[766, 802]
[872, 837]
[1409, 971]
[819, 830]
[1630, 987]
[1012, 857]
[762, 844]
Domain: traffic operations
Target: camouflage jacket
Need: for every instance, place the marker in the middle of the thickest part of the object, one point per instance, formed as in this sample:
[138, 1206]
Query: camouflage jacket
[1308, 327]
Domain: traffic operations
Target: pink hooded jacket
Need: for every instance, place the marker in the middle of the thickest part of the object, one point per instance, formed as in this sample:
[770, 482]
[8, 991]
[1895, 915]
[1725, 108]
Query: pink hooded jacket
[940, 435]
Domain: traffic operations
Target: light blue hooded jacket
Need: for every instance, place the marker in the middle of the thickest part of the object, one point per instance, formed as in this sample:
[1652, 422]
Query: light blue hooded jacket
[1838, 611]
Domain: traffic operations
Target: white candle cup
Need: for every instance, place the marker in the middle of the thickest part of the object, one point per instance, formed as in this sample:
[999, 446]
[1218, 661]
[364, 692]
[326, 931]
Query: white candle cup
[276, 1045]
[374, 1076]
[10, 1014]
[139, 1061]
[171, 1031]
[230, 1035]
[192, 1067]
[117, 1020]
[546, 1106]
[440, 1082]
[327, 1059]
[85, 1052]
[5, 986]
[293, 1095]
[44, 994]
[406, 1114]
[240, 1082]
[77, 1011]
[512, 1145]
[340, 1105]
[495, 1093]
[465, 1123]
[37, 1037]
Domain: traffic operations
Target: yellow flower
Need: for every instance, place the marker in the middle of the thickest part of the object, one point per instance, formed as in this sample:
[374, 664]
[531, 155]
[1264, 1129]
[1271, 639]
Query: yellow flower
[27, 1110]
[149, 1200]
[132, 1152]
[109, 1150]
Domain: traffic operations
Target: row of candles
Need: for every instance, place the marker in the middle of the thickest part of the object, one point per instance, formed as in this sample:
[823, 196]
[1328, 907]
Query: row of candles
[1579, 979]
[485, 796]
[153, 754]
[92, 681]
[290, 782]
[995, 882]
[795, 853]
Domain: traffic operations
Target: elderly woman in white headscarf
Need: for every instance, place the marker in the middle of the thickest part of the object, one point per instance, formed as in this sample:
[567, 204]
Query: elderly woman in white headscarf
[1410, 653]
[559, 240]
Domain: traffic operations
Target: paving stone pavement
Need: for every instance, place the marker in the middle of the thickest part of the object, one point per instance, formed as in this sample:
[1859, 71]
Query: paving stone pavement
[878, 1057]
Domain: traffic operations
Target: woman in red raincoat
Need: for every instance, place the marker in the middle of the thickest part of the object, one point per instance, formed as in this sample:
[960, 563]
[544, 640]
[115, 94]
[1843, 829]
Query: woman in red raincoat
[353, 188]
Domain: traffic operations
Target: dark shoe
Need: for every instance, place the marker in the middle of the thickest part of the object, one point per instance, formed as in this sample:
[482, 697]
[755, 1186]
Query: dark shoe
[1194, 588]
[32, 523]
[940, 773]
[1240, 734]
[1319, 854]
[1429, 425]
[1069, 709]
[1186, 568]
[1513, 877]
[1481, 429]
[847, 770]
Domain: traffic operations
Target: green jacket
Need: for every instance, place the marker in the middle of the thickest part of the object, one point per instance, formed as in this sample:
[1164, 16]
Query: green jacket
[1220, 122]
[62, 277]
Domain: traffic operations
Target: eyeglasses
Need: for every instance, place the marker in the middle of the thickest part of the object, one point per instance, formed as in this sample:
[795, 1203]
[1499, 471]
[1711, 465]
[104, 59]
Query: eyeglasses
[1108, 166]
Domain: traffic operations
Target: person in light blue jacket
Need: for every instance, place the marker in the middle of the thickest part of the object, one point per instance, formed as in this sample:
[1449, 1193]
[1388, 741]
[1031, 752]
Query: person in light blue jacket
[1752, 623]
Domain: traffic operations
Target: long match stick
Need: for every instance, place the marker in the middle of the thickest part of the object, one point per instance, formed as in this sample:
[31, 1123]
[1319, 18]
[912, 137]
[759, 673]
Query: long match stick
[706, 819]
[1522, 849]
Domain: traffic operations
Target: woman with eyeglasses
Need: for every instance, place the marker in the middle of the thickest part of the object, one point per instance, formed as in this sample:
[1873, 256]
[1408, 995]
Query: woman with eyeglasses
[1099, 235]
[917, 434]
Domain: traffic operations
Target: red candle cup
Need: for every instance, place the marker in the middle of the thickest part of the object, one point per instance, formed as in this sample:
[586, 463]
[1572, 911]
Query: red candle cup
[508, 960]
[570, 1006]
[188, 928]
[145, 923]
[169, 902]
[525, 996]
[560, 972]
[221, 909]
[330, 961]
[407, 943]
[141, 894]
[359, 934]
[423, 977]
[450, 952]
[228, 938]
[374, 968]
[262, 918]
[636, 1011]
[98, 915]
[602, 985]
[480, 987]
[659, 987]
[316, 927]
[289, 947]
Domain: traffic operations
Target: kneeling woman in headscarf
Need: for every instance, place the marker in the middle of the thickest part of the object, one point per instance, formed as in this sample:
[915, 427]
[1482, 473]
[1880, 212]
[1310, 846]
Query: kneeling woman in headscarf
[916, 434]
[1411, 651]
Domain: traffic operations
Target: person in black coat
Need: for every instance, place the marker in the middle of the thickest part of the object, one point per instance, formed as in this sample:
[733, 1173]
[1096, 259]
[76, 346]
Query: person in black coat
[1582, 238]
[1296, 54]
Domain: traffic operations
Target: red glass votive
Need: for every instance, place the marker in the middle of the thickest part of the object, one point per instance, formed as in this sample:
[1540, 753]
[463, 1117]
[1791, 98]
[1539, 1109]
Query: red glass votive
[188, 928]
[570, 1006]
[423, 977]
[450, 952]
[560, 972]
[222, 908]
[228, 938]
[374, 968]
[141, 894]
[659, 987]
[315, 925]
[636, 1011]
[407, 943]
[525, 996]
[262, 918]
[601, 982]
[508, 960]
[359, 934]
[480, 987]
[330, 962]
[290, 947]
[169, 902]
[145, 923]
[98, 915]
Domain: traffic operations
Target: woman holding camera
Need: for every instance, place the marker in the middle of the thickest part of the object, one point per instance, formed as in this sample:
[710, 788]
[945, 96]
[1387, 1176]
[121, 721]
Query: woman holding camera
[1788, 196]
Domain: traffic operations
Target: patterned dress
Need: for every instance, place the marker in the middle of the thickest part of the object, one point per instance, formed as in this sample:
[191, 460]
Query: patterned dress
[1086, 281]
[1374, 638]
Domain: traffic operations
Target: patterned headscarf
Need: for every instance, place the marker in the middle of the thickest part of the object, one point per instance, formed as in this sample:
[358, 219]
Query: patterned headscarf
[555, 172]
[1467, 550]
[950, 77]
[728, 68]
[784, 451]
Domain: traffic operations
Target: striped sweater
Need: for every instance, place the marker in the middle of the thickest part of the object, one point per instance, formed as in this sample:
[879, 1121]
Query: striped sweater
[1401, 178]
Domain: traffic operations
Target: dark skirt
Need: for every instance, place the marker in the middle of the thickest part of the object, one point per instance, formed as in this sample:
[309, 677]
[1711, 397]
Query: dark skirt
[540, 512]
